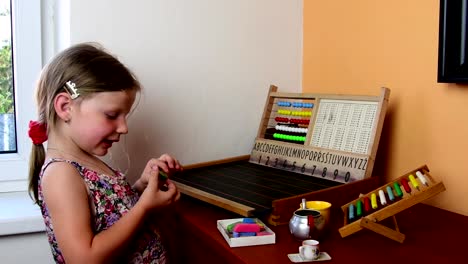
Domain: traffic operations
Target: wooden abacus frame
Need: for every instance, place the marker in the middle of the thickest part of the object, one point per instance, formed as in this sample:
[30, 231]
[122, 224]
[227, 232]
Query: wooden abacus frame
[407, 200]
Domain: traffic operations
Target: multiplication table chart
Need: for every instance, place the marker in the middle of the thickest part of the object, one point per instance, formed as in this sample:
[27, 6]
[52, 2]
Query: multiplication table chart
[344, 125]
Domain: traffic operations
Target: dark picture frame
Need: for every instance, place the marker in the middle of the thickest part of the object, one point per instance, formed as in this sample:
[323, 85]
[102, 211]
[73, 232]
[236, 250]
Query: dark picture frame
[453, 42]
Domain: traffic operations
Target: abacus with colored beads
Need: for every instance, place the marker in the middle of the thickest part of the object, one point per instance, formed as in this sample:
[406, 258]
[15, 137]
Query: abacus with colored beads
[290, 125]
[388, 200]
[328, 136]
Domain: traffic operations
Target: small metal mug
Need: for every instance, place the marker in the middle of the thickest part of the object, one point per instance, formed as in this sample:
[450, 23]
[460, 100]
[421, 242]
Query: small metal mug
[306, 224]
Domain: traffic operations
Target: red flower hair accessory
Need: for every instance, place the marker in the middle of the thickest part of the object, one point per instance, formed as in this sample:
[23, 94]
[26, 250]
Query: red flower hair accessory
[37, 132]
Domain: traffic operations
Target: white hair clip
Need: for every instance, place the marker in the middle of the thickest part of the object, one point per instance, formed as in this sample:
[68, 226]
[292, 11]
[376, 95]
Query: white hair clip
[70, 88]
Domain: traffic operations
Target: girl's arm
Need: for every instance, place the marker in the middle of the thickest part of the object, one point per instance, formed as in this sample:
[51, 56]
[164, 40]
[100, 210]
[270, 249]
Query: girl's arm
[67, 200]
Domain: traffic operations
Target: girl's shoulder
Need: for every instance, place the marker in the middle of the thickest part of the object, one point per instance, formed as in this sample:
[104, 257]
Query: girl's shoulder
[49, 161]
[59, 179]
[78, 166]
[57, 162]
[59, 166]
[68, 175]
[64, 166]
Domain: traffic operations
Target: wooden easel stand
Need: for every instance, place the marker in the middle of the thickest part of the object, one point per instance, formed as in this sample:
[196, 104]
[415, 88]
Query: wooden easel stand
[372, 220]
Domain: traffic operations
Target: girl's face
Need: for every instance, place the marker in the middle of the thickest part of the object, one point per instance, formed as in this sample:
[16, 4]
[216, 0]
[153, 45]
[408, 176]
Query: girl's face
[98, 121]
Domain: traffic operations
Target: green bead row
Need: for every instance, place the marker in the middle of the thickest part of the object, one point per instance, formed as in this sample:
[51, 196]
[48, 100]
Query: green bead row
[289, 137]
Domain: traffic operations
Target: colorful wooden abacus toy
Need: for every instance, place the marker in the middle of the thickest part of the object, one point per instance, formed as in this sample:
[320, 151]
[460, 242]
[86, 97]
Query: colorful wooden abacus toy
[293, 130]
[388, 200]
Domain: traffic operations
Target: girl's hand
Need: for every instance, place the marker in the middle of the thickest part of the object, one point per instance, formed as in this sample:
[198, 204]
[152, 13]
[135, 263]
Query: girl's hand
[161, 193]
[172, 165]
[154, 197]
[165, 163]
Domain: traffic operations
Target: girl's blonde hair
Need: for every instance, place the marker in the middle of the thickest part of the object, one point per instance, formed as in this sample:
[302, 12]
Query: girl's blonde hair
[92, 70]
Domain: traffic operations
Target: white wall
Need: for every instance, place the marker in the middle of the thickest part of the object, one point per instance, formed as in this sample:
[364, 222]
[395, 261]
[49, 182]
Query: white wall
[206, 66]
[25, 249]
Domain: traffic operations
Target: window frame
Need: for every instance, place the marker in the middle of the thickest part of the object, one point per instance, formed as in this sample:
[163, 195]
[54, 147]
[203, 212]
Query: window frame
[27, 63]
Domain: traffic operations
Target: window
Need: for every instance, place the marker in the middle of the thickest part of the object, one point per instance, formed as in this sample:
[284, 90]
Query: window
[7, 109]
[20, 36]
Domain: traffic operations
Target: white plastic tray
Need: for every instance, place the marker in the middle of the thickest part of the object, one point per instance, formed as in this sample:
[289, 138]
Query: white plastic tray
[244, 241]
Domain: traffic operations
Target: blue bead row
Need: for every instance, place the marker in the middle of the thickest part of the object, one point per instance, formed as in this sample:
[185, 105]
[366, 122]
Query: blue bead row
[295, 104]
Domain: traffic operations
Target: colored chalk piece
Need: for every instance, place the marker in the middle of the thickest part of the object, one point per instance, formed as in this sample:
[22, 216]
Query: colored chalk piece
[243, 234]
[162, 176]
[398, 191]
[359, 208]
[404, 182]
[390, 193]
[414, 182]
[422, 178]
[243, 227]
[383, 200]
[230, 227]
[374, 201]
[253, 221]
[351, 212]
[367, 206]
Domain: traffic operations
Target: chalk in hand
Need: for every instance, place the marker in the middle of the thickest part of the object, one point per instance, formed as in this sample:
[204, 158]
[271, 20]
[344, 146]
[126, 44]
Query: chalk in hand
[162, 177]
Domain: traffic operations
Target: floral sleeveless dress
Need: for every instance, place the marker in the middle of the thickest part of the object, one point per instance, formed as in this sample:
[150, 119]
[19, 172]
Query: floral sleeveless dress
[112, 197]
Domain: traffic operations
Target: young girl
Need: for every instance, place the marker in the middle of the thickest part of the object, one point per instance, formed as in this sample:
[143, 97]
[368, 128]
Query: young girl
[92, 214]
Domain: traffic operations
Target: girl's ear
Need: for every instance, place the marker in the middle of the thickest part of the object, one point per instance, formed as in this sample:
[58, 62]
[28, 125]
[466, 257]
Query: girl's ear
[62, 105]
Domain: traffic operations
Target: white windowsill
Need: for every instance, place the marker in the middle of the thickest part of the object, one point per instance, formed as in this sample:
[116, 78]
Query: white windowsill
[19, 215]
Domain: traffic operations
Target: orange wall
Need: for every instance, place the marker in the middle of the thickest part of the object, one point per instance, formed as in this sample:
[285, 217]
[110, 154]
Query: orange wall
[358, 46]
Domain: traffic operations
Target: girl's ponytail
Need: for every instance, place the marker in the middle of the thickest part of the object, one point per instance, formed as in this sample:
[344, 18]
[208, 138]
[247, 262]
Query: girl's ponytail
[38, 134]
[36, 161]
